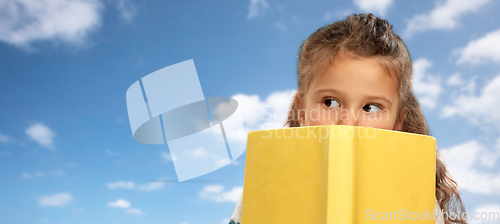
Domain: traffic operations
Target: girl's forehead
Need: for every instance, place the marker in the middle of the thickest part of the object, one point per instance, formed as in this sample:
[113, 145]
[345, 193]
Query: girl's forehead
[357, 75]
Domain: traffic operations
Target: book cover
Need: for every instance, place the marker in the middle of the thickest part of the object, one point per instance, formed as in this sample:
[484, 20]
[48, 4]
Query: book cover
[338, 174]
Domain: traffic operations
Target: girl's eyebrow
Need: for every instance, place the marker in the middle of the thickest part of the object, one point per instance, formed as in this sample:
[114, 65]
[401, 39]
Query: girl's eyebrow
[334, 91]
[327, 90]
[380, 98]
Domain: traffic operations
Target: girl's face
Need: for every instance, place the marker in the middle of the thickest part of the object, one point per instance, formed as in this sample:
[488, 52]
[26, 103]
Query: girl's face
[352, 91]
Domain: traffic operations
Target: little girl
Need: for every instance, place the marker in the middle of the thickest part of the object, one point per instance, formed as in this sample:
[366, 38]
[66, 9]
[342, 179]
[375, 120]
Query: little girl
[352, 71]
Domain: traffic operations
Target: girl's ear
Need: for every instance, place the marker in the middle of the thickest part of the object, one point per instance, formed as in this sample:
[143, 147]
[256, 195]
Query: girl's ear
[398, 126]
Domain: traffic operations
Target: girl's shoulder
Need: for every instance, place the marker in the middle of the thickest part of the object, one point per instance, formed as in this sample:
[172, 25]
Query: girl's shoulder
[236, 217]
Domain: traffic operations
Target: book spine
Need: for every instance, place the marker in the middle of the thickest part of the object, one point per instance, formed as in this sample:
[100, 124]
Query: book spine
[341, 175]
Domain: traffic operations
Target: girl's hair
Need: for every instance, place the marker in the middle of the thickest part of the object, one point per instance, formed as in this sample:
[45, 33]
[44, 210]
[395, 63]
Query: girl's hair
[364, 35]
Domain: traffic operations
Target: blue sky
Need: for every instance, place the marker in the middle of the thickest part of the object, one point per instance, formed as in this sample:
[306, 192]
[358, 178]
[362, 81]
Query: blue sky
[66, 150]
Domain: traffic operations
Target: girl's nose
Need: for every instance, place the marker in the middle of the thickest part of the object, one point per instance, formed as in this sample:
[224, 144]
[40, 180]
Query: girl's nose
[349, 117]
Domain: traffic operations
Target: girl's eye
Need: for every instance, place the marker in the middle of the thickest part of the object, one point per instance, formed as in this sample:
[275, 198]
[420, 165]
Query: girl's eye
[371, 108]
[331, 103]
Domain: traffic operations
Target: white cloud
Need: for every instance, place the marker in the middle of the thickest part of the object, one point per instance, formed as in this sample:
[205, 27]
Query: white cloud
[463, 161]
[151, 186]
[120, 203]
[379, 7]
[482, 50]
[135, 211]
[41, 134]
[455, 80]
[257, 8]
[477, 109]
[121, 184]
[167, 157]
[54, 173]
[4, 138]
[444, 16]
[426, 86]
[27, 21]
[266, 114]
[486, 214]
[258, 114]
[225, 161]
[200, 153]
[216, 193]
[124, 204]
[127, 10]
[57, 200]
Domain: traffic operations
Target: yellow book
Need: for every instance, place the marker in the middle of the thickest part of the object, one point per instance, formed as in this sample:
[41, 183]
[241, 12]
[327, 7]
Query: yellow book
[336, 174]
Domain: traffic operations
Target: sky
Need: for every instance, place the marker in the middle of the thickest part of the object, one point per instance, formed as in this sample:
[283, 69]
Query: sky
[67, 154]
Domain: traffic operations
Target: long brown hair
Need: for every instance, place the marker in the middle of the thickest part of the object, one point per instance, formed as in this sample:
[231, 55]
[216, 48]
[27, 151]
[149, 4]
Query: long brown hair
[364, 35]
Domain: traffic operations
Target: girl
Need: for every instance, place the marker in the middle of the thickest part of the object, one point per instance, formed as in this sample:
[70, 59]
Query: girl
[355, 68]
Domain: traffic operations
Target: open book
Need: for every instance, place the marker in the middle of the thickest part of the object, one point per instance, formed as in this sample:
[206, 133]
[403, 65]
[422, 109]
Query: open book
[336, 174]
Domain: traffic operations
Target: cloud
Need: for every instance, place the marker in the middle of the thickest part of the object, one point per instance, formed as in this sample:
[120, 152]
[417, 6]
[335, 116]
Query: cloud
[127, 10]
[426, 86]
[167, 157]
[135, 211]
[41, 134]
[124, 204]
[216, 193]
[54, 173]
[224, 161]
[257, 8]
[200, 153]
[463, 161]
[477, 109]
[4, 138]
[151, 186]
[256, 115]
[265, 114]
[121, 184]
[27, 21]
[444, 16]
[482, 50]
[464, 86]
[58, 200]
[455, 80]
[375, 6]
[120, 203]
